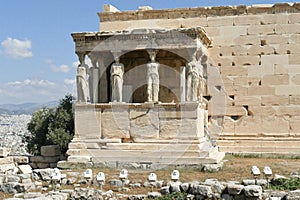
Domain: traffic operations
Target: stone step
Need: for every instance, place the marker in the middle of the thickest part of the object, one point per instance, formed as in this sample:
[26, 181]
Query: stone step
[153, 147]
[254, 144]
[261, 149]
[134, 153]
[265, 138]
[164, 157]
[161, 160]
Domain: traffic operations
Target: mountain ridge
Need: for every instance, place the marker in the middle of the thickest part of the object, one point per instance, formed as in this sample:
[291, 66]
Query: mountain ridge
[25, 108]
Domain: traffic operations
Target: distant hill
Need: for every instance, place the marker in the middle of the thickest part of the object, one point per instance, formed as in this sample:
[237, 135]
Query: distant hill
[25, 108]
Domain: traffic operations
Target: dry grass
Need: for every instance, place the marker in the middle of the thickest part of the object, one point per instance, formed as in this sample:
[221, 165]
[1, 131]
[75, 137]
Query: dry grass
[235, 168]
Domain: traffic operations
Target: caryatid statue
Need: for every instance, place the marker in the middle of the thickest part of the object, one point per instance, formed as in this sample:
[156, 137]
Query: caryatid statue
[195, 80]
[94, 76]
[152, 77]
[116, 77]
[82, 85]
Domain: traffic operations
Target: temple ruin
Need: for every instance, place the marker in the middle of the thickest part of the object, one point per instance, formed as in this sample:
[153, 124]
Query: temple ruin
[184, 86]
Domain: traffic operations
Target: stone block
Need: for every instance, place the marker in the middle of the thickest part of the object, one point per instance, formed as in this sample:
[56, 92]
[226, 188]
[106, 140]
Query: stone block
[170, 113]
[256, 71]
[246, 81]
[236, 90]
[296, 79]
[294, 38]
[279, 69]
[263, 111]
[261, 29]
[213, 32]
[274, 100]
[260, 50]
[236, 111]
[287, 28]
[248, 40]
[229, 51]
[228, 125]
[115, 123]
[294, 99]
[261, 90]
[275, 79]
[282, 18]
[247, 20]
[50, 150]
[25, 169]
[275, 39]
[293, 69]
[248, 125]
[4, 152]
[169, 128]
[192, 22]
[246, 60]
[247, 100]
[87, 122]
[5, 167]
[6, 160]
[271, 60]
[79, 159]
[288, 110]
[220, 21]
[288, 49]
[275, 125]
[294, 59]
[234, 71]
[21, 159]
[294, 18]
[295, 124]
[287, 90]
[189, 110]
[144, 123]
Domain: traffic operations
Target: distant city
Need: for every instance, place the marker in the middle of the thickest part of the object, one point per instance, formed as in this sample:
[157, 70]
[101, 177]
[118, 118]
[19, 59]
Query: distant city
[13, 124]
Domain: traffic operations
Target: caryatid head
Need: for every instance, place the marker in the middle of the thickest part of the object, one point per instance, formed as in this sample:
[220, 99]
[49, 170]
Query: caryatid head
[152, 54]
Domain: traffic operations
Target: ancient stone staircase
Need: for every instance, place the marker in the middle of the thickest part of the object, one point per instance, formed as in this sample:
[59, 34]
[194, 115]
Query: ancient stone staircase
[264, 146]
[157, 154]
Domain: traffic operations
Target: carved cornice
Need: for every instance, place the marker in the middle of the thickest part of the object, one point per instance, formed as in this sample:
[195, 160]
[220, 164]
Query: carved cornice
[143, 35]
[200, 12]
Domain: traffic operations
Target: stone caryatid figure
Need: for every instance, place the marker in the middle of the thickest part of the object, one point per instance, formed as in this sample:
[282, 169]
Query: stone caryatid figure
[94, 77]
[152, 77]
[82, 85]
[195, 80]
[116, 77]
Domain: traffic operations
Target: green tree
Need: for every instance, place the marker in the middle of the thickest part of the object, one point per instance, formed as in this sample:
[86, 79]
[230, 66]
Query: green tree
[51, 126]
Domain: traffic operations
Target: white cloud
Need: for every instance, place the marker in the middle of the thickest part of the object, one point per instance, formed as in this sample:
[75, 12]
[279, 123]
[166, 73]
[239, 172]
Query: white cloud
[75, 64]
[31, 83]
[35, 90]
[62, 68]
[70, 81]
[15, 48]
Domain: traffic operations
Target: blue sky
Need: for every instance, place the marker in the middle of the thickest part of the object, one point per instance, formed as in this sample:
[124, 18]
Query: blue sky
[37, 59]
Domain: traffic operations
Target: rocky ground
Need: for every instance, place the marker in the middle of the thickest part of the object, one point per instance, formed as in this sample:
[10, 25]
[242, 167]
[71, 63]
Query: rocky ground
[234, 181]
